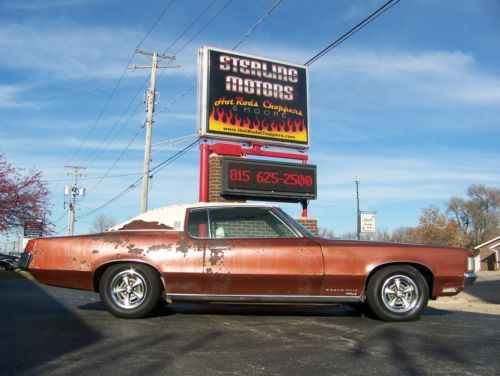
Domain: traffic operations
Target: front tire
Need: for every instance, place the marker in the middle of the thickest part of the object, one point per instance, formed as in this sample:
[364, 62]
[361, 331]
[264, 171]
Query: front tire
[130, 291]
[397, 293]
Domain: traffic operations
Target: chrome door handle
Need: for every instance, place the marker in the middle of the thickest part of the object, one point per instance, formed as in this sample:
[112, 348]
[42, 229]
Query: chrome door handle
[218, 247]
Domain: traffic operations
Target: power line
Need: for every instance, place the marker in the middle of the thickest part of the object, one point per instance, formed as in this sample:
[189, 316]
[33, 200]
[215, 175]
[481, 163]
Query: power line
[323, 52]
[96, 153]
[267, 14]
[117, 160]
[190, 26]
[167, 144]
[157, 168]
[61, 217]
[194, 36]
[170, 143]
[248, 33]
[115, 88]
[388, 5]
[154, 24]
[154, 171]
[178, 38]
[94, 178]
[204, 27]
[180, 153]
[178, 98]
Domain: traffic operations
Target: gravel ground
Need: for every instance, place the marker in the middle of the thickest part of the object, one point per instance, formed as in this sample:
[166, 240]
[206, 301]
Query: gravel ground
[481, 297]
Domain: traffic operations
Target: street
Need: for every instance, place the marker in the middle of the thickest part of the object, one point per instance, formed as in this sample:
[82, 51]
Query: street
[48, 330]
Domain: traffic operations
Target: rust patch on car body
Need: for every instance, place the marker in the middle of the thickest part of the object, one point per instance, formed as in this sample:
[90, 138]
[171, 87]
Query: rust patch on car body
[216, 257]
[133, 250]
[184, 245]
[160, 247]
[139, 224]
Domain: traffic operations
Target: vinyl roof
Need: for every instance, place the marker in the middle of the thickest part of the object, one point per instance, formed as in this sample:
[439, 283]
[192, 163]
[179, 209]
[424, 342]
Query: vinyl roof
[172, 217]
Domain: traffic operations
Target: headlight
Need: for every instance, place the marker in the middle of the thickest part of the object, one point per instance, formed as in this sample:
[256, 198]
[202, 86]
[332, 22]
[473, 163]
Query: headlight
[470, 264]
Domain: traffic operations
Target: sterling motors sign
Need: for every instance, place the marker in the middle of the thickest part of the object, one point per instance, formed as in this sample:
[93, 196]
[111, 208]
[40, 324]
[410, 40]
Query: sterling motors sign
[251, 98]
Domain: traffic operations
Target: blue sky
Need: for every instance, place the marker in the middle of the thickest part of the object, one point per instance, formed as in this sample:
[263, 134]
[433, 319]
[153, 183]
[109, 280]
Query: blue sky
[411, 103]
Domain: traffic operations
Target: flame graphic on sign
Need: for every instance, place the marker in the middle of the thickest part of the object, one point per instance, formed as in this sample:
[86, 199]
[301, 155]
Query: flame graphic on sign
[227, 121]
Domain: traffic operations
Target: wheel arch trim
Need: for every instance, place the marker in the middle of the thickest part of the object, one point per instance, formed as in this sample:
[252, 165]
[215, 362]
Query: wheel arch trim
[425, 270]
[99, 271]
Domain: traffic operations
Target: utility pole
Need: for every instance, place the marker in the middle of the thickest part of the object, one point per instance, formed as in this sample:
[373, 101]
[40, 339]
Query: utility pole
[72, 192]
[150, 103]
[357, 179]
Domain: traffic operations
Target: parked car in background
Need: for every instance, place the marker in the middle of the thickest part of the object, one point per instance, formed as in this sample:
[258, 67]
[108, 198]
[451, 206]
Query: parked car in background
[242, 253]
[7, 264]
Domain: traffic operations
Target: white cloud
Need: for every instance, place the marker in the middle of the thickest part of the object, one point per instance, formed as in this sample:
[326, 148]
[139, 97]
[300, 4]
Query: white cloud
[10, 97]
[67, 51]
[435, 176]
[36, 5]
[452, 76]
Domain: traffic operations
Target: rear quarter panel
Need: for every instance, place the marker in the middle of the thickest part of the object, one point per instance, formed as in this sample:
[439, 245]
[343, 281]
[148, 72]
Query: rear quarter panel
[348, 265]
[76, 261]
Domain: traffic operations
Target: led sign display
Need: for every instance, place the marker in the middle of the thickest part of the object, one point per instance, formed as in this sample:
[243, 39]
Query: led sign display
[277, 181]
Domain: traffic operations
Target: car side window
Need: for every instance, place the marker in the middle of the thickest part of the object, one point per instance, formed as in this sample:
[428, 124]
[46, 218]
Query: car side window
[198, 223]
[241, 222]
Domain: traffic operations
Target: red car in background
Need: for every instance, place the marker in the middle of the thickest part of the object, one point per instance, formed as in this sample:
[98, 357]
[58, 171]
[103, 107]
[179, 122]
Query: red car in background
[243, 253]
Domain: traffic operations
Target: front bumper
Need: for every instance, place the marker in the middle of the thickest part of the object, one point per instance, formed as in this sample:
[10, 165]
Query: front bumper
[469, 278]
[25, 260]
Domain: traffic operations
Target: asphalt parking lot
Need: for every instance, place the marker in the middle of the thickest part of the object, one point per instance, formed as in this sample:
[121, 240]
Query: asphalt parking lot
[48, 330]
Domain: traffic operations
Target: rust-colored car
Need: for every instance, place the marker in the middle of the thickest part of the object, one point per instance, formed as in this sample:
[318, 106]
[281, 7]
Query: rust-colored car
[242, 253]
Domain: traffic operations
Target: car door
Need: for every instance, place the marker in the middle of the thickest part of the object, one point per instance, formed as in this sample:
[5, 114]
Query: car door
[253, 251]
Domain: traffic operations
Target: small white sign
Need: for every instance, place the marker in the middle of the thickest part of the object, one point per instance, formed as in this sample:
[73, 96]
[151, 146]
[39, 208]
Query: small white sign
[368, 222]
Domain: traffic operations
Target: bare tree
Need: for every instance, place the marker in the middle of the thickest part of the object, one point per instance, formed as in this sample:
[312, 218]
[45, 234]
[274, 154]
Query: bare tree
[326, 233]
[101, 223]
[382, 235]
[402, 235]
[478, 216]
[351, 235]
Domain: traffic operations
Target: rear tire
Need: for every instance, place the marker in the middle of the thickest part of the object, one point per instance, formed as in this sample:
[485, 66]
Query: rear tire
[130, 290]
[397, 293]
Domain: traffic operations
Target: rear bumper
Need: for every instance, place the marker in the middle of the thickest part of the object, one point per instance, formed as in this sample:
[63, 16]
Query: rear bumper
[470, 278]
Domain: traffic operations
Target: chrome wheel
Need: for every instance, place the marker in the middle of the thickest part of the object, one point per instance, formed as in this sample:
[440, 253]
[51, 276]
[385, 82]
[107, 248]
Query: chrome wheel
[399, 294]
[128, 289]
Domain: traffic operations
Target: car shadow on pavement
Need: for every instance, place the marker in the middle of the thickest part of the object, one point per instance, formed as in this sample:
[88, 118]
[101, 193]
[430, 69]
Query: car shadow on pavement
[431, 311]
[36, 328]
[238, 309]
[255, 310]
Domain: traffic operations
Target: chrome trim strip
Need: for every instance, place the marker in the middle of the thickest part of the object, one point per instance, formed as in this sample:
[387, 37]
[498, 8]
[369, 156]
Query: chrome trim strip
[264, 298]
[470, 278]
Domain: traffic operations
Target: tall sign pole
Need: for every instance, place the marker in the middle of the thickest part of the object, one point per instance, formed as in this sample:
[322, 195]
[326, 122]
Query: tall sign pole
[150, 103]
[358, 217]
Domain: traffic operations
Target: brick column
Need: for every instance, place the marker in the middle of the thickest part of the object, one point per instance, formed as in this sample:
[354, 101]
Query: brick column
[309, 223]
[215, 180]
